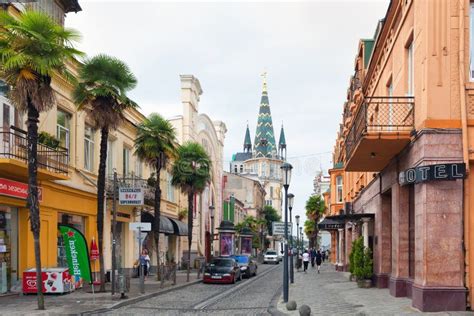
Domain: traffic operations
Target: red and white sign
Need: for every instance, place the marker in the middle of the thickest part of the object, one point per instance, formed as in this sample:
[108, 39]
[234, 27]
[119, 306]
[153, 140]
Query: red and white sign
[94, 255]
[131, 196]
[17, 189]
[55, 280]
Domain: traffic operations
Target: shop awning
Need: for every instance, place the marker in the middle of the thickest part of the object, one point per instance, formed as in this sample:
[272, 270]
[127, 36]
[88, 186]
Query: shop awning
[166, 227]
[180, 228]
[331, 224]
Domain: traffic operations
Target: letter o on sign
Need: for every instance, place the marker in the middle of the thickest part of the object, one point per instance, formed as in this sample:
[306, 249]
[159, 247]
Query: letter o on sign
[411, 175]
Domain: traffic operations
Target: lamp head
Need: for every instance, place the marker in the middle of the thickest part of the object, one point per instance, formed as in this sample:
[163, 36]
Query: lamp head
[212, 210]
[291, 196]
[286, 168]
[297, 217]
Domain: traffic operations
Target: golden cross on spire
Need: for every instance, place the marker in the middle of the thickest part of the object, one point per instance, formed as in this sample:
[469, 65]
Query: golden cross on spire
[264, 76]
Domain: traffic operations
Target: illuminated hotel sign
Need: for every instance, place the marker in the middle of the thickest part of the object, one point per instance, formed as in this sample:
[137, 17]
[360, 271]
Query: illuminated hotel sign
[447, 171]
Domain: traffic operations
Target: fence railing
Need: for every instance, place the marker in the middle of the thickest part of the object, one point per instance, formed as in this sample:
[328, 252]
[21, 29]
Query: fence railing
[14, 145]
[383, 115]
[131, 181]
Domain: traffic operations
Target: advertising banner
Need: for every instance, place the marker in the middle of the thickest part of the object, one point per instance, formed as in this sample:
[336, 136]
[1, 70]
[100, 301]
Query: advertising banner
[227, 248]
[131, 196]
[246, 245]
[77, 254]
[17, 189]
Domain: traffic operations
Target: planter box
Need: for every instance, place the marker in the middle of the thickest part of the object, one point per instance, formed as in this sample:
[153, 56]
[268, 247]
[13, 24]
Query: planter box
[364, 284]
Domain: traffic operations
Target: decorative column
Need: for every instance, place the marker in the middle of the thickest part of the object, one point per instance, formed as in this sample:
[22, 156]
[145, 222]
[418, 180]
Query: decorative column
[365, 231]
[340, 248]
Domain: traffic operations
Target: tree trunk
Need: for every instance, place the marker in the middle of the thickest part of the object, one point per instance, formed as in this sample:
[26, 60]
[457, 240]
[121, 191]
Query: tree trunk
[32, 200]
[100, 202]
[190, 230]
[156, 232]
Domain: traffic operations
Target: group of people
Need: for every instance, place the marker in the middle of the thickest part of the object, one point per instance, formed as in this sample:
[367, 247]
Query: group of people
[315, 256]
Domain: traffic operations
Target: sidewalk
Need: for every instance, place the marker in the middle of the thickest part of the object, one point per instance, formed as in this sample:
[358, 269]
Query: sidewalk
[82, 301]
[331, 293]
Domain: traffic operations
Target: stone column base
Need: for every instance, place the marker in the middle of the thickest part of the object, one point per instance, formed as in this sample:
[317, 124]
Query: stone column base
[398, 287]
[381, 280]
[410, 288]
[438, 299]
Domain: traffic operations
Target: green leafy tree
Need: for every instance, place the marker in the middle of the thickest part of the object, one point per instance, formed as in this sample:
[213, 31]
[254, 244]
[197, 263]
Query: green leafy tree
[102, 93]
[358, 258]
[155, 144]
[33, 49]
[191, 172]
[254, 224]
[314, 210]
[270, 215]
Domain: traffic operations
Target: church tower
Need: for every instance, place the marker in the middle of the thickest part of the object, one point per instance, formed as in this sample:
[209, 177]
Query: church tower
[264, 144]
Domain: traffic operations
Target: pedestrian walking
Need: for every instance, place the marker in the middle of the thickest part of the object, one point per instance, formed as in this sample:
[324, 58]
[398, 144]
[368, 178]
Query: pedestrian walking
[319, 258]
[305, 260]
[323, 254]
[144, 261]
[313, 256]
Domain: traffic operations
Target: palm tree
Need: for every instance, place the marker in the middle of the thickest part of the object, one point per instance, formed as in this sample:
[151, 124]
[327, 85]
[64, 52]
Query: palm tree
[102, 93]
[191, 172]
[314, 210]
[33, 49]
[155, 145]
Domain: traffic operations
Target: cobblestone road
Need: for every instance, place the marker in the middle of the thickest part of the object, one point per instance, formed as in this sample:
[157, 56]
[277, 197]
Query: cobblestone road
[249, 297]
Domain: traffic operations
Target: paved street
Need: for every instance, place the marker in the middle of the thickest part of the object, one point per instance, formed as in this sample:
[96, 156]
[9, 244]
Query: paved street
[250, 297]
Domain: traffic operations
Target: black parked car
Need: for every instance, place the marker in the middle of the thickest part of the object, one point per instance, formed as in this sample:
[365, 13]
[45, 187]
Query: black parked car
[222, 270]
[248, 266]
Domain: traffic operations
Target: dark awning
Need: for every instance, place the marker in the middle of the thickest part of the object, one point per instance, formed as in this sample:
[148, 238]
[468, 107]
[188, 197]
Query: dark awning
[180, 228]
[350, 217]
[166, 227]
[331, 224]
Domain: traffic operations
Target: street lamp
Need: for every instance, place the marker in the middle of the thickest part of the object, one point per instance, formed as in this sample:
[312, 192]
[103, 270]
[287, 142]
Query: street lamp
[297, 217]
[212, 212]
[291, 196]
[302, 238]
[286, 167]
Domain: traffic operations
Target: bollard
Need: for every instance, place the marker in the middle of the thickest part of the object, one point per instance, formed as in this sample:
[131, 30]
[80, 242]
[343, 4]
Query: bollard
[122, 286]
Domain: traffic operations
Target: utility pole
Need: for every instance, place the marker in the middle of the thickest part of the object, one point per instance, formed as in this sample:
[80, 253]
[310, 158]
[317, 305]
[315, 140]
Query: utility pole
[114, 230]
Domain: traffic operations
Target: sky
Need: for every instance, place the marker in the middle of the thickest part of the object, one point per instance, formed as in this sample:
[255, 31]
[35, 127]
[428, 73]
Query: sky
[307, 49]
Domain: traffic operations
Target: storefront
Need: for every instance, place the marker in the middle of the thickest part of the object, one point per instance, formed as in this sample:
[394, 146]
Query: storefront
[58, 204]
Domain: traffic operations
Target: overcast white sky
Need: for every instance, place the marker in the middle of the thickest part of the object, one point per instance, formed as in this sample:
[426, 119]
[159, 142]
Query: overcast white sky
[307, 48]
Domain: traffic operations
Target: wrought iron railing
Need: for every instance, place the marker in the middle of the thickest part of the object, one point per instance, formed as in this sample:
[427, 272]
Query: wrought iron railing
[382, 115]
[131, 181]
[14, 145]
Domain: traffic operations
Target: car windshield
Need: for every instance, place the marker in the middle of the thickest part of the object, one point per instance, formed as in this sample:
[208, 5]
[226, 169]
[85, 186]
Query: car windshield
[242, 259]
[272, 253]
[221, 263]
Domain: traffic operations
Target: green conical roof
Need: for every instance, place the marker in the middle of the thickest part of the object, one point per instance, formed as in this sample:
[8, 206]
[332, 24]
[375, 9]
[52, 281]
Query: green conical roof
[247, 141]
[264, 145]
[282, 141]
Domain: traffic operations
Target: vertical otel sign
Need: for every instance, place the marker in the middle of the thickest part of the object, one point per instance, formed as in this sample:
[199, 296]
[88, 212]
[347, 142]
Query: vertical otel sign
[76, 253]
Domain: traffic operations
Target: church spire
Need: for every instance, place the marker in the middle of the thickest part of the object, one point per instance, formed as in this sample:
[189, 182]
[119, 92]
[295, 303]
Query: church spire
[247, 141]
[282, 143]
[264, 144]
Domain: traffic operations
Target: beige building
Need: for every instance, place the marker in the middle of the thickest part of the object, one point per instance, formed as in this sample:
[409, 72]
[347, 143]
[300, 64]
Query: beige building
[199, 127]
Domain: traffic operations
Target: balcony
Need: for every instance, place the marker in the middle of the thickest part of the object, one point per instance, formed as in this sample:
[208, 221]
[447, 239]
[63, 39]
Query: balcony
[52, 163]
[131, 181]
[380, 130]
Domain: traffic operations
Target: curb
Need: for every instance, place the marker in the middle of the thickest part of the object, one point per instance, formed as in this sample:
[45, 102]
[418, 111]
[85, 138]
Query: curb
[273, 309]
[137, 299]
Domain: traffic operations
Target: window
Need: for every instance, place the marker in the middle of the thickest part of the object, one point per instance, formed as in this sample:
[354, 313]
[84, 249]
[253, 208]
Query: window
[410, 70]
[110, 157]
[339, 189]
[241, 168]
[390, 105]
[268, 202]
[138, 168]
[63, 126]
[88, 148]
[272, 171]
[271, 192]
[126, 161]
[235, 168]
[264, 169]
[169, 187]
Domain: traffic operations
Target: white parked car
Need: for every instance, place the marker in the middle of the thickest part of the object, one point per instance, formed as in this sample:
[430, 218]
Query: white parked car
[271, 256]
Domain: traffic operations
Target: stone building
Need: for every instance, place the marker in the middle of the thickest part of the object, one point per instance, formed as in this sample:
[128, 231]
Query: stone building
[403, 154]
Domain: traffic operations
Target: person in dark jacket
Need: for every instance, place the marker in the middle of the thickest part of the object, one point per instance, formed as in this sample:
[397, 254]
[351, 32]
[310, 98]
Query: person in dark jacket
[319, 259]
[312, 254]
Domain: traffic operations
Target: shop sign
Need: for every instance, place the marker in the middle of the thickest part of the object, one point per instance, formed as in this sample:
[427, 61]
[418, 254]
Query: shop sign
[131, 196]
[77, 254]
[447, 171]
[17, 189]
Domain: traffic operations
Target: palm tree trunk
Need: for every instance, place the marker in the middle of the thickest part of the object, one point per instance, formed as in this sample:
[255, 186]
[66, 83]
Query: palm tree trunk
[156, 233]
[33, 204]
[190, 230]
[104, 134]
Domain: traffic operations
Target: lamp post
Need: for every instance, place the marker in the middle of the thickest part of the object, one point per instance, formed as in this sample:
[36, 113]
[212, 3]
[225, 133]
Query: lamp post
[297, 217]
[302, 238]
[212, 212]
[286, 167]
[291, 196]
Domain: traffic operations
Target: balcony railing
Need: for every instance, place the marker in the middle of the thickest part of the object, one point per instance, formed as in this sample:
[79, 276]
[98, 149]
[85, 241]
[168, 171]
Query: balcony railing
[14, 145]
[381, 115]
[131, 181]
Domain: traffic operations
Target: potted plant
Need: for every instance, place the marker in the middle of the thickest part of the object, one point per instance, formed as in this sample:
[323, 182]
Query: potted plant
[351, 261]
[367, 268]
[363, 264]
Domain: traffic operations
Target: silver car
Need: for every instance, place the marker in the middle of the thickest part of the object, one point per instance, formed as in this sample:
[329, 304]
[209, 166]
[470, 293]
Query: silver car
[271, 257]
